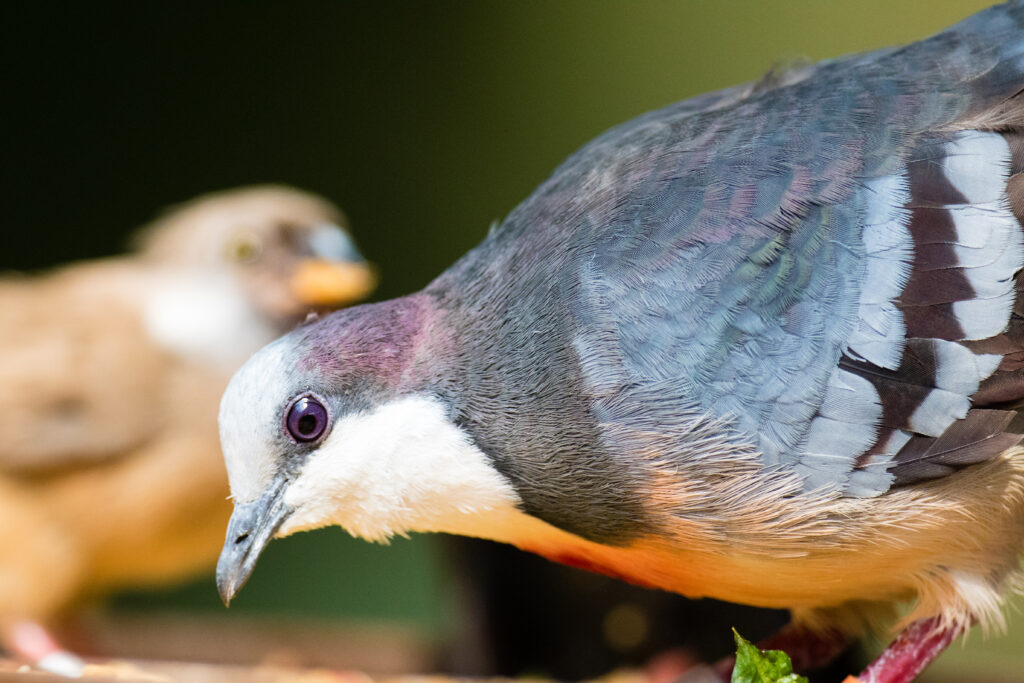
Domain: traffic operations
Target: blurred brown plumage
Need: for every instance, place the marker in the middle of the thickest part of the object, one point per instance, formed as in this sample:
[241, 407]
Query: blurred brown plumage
[110, 376]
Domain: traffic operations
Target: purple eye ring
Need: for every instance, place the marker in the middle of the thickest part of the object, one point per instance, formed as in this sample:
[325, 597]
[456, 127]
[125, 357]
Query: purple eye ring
[307, 419]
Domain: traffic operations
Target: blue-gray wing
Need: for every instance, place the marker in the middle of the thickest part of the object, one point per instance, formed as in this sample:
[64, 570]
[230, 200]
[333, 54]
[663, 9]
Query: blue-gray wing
[827, 263]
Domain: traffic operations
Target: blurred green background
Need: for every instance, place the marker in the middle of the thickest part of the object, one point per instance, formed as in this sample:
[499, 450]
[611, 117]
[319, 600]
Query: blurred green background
[425, 121]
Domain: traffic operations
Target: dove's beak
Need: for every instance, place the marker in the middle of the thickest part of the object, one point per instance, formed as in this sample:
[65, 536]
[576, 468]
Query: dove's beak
[252, 526]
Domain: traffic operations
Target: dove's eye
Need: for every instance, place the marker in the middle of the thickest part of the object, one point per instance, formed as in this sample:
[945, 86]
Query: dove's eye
[307, 419]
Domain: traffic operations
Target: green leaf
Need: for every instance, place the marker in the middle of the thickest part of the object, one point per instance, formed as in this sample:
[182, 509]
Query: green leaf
[762, 666]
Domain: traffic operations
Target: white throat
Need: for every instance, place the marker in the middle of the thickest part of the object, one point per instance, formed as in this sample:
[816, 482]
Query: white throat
[205, 317]
[403, 467]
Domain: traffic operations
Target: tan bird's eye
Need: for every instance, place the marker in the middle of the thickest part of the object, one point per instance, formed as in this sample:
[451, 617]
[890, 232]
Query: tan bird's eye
[245, 249]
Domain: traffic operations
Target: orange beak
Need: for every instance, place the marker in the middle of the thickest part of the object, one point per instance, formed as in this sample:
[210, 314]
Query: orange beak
[319, 282]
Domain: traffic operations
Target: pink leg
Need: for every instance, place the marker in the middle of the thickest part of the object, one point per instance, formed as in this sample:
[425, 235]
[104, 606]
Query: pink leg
[33, 643]
[910, 653]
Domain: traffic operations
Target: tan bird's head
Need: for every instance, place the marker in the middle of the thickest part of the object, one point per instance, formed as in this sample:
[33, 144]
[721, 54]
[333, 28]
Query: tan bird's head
[288, 249]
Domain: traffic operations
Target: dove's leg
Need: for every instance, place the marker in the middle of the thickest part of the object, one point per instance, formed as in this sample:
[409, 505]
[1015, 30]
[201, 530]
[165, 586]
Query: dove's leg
[907, 656]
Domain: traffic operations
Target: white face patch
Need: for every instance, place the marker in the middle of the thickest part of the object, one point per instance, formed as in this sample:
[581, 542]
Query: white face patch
[403, 467]
[249, 420]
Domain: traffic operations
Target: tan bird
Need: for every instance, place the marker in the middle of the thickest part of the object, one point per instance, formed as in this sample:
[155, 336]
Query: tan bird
[110, 376]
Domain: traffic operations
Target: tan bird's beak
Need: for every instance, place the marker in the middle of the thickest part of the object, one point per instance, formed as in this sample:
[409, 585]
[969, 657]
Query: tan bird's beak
[319, 282]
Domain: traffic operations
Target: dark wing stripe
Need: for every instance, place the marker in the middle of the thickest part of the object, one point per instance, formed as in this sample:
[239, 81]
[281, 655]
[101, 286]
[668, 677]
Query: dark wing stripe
[1015, 194]
[931, 224]
[986, 254]
[978, 437]
[966, 247]
[929, 186]
[1015, 140]
[930, 287]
